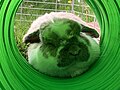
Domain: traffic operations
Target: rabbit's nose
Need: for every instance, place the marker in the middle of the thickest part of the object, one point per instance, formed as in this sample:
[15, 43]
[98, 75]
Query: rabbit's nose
[74, 50]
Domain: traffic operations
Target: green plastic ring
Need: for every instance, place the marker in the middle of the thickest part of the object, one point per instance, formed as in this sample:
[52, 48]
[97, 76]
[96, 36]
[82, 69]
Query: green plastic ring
[17, 74]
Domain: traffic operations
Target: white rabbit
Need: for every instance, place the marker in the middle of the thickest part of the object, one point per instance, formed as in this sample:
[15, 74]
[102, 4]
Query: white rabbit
[61, 44]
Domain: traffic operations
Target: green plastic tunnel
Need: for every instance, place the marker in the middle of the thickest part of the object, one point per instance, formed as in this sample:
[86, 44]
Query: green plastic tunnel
[17, 74]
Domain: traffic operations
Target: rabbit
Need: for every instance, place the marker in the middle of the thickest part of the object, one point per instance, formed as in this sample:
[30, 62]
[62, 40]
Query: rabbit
[61, 45]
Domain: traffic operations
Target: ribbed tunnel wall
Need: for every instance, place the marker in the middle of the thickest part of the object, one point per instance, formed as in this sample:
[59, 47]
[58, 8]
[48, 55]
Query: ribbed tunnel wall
[17, 74]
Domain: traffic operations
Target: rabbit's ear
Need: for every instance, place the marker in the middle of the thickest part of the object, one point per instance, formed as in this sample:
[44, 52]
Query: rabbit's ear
[32, 38]
[90, 31]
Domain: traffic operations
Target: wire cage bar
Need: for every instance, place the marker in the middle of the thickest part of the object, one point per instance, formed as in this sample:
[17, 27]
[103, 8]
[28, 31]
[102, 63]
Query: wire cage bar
[31, 9]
